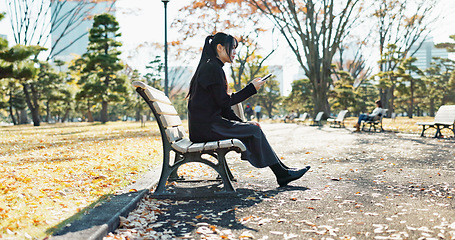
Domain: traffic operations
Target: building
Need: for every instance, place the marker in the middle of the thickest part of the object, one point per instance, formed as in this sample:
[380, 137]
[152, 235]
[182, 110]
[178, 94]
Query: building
[78, 37]
[426, 53]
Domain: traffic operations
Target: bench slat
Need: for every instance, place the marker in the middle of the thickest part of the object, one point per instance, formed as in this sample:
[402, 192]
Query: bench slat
[170, 120]
[162, 108]
[211, 146]
[175, 133]
[341, 115]
[156, 96]
[196, 147]
[182, 145]
[225, 143]
[445, 114]
[318, 116]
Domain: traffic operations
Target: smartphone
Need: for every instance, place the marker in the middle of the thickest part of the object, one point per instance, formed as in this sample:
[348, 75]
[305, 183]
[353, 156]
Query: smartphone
[265, 77]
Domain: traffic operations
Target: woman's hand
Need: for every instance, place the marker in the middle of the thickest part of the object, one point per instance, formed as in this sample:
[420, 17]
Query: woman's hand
[254, 123]
[257, 83]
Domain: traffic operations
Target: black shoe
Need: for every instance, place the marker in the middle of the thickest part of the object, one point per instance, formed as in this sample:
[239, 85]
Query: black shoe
[292, 175]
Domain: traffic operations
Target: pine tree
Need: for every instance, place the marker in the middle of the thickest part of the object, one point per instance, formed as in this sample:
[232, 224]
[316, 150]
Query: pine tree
[103, 63]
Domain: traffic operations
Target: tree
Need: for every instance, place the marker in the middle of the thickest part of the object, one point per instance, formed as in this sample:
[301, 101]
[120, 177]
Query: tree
[403, 24]
[299, 99]
[53, 87]
[343, 96]
[313, 30]
[439, 84]
[103, 63]
[236, 16]
[34, 22]
[388, 79]
[269, 96]
[23, 69]
[408, 82]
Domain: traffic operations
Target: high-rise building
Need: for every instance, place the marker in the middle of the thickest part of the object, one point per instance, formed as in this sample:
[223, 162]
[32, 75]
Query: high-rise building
[426, 53]
[76, 40]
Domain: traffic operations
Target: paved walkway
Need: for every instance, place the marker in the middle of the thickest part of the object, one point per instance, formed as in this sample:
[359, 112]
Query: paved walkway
[361, 186]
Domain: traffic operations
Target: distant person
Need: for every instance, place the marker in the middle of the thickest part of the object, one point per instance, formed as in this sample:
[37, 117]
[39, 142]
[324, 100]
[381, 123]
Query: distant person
[210, 117]
[257, 111]
[248, 112]
[290, 117]
[367, 117]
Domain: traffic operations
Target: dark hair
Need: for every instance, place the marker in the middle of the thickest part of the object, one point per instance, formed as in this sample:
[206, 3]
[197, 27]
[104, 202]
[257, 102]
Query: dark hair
[379, 103]
[209, 52]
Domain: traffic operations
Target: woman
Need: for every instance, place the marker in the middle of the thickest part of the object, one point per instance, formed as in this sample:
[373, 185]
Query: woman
[211, 117]
[365, 117]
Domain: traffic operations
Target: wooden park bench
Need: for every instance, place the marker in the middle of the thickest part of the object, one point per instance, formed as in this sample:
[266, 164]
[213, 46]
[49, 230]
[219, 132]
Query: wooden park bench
[302, 118]
[317, 121]
[339, 120]
[444, 118]
[174, 140]
[375, 122]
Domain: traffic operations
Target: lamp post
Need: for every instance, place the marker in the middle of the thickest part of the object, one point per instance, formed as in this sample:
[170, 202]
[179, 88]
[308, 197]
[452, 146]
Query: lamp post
[166, 81]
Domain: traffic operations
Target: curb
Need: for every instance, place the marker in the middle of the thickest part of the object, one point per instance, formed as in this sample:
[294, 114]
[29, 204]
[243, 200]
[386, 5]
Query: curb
[99, 221]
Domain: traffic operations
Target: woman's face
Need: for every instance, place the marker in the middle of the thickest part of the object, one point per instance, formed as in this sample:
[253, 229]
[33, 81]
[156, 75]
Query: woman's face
[223, 56]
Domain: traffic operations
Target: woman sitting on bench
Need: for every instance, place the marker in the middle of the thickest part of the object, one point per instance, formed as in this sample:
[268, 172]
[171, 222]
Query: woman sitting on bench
[366, 117]
[211, 117]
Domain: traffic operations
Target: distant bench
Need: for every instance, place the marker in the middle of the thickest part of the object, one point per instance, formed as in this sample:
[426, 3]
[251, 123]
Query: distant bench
[317, 121]
[339, 120]
[444, 118]
[173, 138]
[375, 122]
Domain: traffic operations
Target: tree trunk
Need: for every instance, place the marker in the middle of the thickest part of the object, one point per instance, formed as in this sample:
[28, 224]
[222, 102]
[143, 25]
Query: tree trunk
[320, 98]
[431, 107]
[89, 113]
[411, 107]
[33, 108]
[104, 117]
[48, 112]
[11, 108]
[104, 103]
[23, 117]
[35, 112]
[65, 116]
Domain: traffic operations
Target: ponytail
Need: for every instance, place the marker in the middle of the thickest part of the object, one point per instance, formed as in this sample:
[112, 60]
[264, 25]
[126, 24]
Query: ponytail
[209, 52]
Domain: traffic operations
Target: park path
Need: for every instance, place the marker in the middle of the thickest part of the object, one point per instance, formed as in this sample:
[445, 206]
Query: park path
[361, 186]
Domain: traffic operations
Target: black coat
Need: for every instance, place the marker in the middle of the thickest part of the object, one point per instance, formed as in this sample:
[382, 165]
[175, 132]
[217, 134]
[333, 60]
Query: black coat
[210, 103]
[211, 117]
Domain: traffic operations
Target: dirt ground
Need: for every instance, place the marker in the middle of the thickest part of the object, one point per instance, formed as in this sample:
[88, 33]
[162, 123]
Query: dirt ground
[361, 186]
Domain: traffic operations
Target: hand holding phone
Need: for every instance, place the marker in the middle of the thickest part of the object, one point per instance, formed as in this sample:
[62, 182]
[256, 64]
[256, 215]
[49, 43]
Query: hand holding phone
[266, 77]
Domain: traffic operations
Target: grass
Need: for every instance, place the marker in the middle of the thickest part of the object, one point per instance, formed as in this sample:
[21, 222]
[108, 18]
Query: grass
[51, 172]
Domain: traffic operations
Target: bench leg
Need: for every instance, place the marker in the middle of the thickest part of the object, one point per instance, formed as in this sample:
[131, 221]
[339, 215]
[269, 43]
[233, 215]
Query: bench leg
[224, 172]
[438, 132]
[174, 176]
[165, 171]
[161, 187]
[423, 131]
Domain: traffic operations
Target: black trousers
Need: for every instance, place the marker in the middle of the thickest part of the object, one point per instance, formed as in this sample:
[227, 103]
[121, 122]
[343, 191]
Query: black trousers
[259, 152]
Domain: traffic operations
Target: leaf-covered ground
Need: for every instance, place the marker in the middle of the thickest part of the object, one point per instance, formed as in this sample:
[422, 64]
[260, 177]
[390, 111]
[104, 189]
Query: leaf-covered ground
[50, 173]
[391, 185]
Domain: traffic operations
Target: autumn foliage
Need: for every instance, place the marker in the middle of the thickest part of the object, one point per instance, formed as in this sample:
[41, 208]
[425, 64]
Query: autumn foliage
[52, 172]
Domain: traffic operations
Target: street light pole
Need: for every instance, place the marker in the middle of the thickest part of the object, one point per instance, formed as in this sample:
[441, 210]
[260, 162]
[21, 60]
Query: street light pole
[166, 80]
